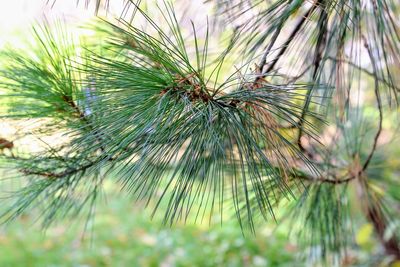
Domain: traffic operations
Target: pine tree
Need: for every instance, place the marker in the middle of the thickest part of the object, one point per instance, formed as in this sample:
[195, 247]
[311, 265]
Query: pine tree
[156, 109]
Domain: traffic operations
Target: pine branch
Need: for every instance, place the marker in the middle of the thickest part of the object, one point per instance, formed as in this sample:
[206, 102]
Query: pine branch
[173, 118]
[160, 122]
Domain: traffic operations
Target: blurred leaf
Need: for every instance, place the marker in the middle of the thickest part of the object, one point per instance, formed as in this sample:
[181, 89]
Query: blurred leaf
[364, 235]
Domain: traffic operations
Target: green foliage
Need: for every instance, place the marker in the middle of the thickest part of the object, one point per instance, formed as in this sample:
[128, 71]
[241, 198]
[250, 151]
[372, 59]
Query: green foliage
[41, 74]
[186, 134]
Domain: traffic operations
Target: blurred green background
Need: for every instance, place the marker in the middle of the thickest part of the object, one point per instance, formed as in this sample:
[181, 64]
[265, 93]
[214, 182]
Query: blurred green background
[123, 234]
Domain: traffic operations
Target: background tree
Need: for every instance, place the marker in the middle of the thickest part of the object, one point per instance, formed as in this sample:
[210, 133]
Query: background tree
[279, 113]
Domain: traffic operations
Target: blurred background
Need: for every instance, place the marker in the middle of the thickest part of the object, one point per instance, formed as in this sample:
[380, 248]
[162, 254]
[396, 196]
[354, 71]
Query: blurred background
[122, 233]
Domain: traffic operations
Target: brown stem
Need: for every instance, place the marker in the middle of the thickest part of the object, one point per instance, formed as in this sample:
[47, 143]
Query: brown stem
[375, 215]
[293, 34]
[71, 103]
[379, 102]
[60, 174]
[320, 179]
[354, 65]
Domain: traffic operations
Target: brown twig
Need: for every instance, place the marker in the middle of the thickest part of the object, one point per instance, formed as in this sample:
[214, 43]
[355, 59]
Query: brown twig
[196, 93]
[60, 174]
[291, 37]
[350, 63]
[68, 99]
[6, 144]
[375, 215]
[336, 181]
[379, 102]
